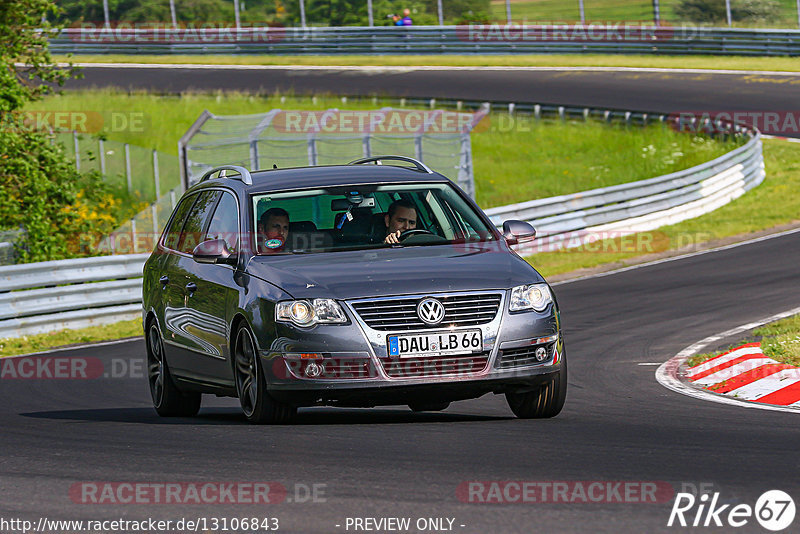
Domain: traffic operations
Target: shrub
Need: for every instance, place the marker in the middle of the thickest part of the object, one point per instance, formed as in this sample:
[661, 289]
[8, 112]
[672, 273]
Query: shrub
[713, 11]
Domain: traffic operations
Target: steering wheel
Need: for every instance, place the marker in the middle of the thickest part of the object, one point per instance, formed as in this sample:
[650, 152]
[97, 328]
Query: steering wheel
[414, 231]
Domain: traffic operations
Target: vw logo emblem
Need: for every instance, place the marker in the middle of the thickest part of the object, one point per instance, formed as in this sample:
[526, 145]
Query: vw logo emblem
[431, 311]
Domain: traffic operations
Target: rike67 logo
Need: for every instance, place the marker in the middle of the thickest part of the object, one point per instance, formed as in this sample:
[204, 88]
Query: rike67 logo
[774, 510]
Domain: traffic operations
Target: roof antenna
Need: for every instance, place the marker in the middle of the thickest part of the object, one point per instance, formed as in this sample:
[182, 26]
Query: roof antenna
[274, 165]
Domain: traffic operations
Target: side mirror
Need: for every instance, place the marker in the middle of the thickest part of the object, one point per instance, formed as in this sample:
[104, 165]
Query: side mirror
[213, 251]
[516, 232]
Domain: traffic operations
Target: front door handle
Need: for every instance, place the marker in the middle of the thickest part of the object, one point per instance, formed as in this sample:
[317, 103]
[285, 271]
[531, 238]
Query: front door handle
[164, 280]
[191, 287]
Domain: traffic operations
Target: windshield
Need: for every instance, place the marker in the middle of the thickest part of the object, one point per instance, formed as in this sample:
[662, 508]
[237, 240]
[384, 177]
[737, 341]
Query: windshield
[362, 217]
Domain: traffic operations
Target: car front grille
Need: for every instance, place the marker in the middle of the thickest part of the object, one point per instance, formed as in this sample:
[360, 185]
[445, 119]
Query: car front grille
[460, 364]
[401, 313]
[522, 356]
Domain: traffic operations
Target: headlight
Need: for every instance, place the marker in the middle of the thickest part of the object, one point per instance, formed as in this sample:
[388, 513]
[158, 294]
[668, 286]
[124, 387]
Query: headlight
[530, 297]
[310, 312]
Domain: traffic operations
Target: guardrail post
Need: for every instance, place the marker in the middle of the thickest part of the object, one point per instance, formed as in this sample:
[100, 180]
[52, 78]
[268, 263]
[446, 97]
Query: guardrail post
[77, 150]
[366, 146]
[155, 173]
[432, 103]
[418, 147]
[312, 150]
[102, 157]
[537, 111]
[585, 114]
[561, 112]
[511, 108]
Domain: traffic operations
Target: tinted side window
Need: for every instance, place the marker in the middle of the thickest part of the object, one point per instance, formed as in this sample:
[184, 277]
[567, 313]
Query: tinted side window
[195, 222]
[172, 234]
[225, 222]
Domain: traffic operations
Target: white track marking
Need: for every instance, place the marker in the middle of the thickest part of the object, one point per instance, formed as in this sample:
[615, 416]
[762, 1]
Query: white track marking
[677, 258]
[411, 68]
[767, 385]
[732, 371]
[719, 360]
[667, 373]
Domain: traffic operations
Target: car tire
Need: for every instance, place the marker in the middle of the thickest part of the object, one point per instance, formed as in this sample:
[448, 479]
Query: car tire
[431, 407]
[251, 387]
[168, 400]
[547, 401]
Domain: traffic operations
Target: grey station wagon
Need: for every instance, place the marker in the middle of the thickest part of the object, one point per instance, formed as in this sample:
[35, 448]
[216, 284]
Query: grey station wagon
[375, 283]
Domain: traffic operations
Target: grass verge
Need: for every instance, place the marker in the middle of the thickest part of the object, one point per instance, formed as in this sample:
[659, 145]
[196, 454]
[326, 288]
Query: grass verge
[779, 340]
[769, 205]
[514, 158]
[744, 63]
[61, 338]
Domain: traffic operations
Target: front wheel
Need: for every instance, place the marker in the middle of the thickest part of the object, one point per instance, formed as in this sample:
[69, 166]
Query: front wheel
[168, 400]
[547, 401]
[258, 406]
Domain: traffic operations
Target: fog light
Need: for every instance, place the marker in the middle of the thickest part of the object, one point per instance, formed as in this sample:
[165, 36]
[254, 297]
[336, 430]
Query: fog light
[541, 354]
[313, 370]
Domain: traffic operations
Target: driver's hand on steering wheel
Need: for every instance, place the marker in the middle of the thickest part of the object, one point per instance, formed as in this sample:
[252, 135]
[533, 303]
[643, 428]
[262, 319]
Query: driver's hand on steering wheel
[393, 238]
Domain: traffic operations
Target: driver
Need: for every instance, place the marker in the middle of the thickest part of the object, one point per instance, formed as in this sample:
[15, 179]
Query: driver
[402, 216]
[273, 230]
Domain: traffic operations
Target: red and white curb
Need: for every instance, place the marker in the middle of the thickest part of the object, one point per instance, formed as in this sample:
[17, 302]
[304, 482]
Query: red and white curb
[743, 376]
[746, 373]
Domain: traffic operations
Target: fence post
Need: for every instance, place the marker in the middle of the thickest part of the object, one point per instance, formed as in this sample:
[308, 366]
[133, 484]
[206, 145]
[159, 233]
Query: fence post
[128, 167]
[133, 235]
[155, 173]
[154, 211]
[102, 157]
[77, 150]
[312, 150]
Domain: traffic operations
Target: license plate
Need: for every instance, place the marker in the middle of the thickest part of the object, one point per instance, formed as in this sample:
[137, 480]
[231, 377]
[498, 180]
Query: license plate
[435, 343]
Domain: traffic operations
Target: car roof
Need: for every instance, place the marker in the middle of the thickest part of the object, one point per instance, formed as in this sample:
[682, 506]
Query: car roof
[329, 176]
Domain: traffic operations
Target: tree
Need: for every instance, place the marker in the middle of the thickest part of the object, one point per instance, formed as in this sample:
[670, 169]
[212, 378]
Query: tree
[23, 40]
[41, 192]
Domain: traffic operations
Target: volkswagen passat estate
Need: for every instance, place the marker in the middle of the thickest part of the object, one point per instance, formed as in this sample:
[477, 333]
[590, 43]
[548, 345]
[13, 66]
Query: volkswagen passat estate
[375, 283]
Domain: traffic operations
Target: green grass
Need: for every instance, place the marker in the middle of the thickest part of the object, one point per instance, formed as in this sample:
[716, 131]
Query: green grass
[533, 11]
[786, 64]
[92, 334]
[770, 204]
[514, 160]
[779, 340]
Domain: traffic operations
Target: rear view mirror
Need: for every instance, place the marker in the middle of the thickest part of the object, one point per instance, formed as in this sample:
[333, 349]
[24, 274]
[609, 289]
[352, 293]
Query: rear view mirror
[213, 251]
[516, 232]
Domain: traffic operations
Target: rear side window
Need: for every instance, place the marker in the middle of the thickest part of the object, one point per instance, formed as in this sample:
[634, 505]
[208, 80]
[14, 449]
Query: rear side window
[195, 222]
[225, 222]
[172, 235]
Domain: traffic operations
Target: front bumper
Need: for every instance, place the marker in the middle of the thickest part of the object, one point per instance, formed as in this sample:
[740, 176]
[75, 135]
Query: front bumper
[359, 372]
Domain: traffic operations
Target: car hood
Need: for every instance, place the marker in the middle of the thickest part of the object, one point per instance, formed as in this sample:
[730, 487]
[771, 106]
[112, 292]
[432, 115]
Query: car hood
[395, 271]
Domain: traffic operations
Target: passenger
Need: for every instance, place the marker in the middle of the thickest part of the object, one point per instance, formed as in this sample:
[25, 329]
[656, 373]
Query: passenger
[273, 230]
[402, 216]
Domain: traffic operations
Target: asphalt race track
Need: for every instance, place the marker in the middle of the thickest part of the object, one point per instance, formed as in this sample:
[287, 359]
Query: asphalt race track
[619, 424]
[658, 91]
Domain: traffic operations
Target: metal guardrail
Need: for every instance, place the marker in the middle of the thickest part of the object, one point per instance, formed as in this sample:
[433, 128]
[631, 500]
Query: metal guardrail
[55, 295]
[621, 38]
[42, 297]
[572, 220]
